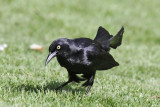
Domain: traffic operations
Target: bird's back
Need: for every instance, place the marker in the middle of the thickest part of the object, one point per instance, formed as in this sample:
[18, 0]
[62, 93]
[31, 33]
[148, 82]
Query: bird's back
[82, 42]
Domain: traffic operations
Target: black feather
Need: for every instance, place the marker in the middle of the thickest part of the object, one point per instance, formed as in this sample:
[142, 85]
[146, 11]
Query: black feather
[116, 40]
[106, 40]
[102, 35]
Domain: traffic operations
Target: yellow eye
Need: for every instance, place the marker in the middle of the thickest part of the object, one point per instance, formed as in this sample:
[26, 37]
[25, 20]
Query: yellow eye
[58, 47]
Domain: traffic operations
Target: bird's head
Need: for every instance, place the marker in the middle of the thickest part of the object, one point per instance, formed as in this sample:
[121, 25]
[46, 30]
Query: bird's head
[59, 47]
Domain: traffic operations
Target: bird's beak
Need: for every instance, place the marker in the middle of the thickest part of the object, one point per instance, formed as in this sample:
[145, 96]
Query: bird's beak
[50, 56]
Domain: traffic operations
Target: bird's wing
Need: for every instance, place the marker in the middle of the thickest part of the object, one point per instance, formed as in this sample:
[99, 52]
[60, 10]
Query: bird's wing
[101, 59]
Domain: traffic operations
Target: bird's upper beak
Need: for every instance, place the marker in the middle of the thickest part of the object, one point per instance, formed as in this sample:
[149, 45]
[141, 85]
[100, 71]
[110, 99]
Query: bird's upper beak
[50, 56]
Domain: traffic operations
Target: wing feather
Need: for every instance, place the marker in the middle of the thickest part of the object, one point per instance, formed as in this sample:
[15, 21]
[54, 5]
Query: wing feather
[101, 59]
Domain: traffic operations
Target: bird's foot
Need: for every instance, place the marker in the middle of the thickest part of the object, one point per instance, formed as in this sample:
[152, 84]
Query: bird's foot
[61, 86]
[58, 89]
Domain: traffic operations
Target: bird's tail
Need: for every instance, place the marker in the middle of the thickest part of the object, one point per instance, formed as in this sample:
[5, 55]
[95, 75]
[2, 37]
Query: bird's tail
[106, 40]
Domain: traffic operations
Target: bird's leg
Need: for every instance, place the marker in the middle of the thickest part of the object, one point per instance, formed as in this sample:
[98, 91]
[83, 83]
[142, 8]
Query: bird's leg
[90, 83]
[64, 84]
[72, 77]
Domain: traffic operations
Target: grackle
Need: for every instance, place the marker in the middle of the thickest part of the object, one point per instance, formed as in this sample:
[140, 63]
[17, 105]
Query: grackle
[85, 56]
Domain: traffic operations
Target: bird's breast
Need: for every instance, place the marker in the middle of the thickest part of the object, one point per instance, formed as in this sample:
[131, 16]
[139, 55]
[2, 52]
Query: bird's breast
[76, 63]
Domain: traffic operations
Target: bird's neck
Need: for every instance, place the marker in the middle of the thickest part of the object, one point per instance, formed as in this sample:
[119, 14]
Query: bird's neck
[62, 60]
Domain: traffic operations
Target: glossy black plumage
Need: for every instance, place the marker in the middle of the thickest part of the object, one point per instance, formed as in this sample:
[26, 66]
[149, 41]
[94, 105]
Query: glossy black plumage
[85, 56]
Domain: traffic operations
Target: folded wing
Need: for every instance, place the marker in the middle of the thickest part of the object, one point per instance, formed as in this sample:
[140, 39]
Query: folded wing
[101, 59]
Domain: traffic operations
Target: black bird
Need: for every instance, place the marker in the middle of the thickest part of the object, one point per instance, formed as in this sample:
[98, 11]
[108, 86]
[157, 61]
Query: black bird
[85, 56]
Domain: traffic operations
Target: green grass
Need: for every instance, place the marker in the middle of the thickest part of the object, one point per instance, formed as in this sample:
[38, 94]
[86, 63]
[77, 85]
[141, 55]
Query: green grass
[24, 80]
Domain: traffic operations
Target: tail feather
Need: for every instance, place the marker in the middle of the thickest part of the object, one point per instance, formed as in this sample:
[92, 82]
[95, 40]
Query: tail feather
[102, 34]
[106, 40]
[116, 40]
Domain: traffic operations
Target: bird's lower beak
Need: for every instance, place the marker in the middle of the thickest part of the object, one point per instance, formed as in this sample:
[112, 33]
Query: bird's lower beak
[50, 56]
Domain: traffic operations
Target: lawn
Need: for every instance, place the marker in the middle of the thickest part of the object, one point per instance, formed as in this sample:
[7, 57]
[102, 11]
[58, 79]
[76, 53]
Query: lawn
[24, 79]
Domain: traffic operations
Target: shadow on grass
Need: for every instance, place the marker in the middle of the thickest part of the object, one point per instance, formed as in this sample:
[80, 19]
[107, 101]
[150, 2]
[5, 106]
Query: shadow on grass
[50, 86]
